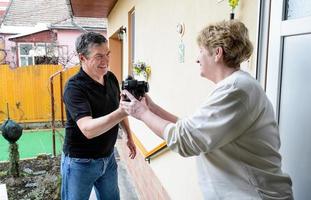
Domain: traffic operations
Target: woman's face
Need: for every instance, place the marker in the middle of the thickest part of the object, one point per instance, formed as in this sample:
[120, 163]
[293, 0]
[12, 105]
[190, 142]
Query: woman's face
[206, 59]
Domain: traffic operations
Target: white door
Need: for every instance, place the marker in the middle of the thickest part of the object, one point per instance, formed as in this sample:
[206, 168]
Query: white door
[289, 87]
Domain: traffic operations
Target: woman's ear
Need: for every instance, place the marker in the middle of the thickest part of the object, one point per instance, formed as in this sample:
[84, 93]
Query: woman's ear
[219, 52]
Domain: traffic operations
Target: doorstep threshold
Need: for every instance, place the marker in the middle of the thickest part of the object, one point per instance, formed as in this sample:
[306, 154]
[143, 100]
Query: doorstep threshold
[3, 192]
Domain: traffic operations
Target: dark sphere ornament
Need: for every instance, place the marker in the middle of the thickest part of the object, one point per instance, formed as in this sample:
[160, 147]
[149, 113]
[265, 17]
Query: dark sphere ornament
[11, 131]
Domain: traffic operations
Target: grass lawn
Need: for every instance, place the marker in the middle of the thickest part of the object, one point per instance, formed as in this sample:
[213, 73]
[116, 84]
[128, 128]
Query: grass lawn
[33, 143]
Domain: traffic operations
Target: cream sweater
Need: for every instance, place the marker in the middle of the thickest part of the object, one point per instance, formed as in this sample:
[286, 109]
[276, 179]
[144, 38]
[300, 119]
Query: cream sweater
[236, 140]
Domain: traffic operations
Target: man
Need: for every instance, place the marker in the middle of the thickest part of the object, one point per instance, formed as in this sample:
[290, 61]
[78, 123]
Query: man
[93, 114]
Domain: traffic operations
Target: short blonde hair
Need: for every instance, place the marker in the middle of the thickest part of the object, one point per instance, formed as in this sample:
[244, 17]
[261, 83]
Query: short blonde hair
[232, 36]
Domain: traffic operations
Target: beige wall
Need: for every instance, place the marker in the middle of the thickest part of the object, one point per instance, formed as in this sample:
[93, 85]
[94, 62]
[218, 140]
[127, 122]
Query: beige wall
[176, 86]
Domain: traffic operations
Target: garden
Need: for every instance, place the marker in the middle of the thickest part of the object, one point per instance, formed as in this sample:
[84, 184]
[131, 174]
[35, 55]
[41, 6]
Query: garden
[28, 167]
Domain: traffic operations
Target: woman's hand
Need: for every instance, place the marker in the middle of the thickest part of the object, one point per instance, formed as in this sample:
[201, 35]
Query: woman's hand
[134, 108]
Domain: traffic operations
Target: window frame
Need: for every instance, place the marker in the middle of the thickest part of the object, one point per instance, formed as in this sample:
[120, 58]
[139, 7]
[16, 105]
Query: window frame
[27, 56]
[34, 45]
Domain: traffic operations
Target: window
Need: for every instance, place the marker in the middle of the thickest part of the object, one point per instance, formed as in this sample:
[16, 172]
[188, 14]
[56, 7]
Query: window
[46, 54]
[37, 54]
[25, 57]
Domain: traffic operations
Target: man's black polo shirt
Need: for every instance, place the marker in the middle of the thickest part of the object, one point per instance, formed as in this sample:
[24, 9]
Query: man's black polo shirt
[83, 96]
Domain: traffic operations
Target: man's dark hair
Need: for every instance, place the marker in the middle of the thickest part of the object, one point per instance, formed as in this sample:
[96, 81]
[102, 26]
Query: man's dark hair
[87, 40]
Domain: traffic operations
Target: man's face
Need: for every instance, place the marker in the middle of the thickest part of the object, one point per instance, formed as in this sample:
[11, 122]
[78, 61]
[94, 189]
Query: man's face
[98, 60]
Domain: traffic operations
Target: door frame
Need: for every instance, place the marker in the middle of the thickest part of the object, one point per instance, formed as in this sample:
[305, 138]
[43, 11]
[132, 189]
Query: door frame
[272, 30]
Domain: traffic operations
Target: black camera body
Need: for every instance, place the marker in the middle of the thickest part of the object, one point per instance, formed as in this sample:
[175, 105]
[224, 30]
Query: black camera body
[135, 87]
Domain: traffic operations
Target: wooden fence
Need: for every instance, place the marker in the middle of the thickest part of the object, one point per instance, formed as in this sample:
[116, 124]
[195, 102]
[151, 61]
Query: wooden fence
[26, 90]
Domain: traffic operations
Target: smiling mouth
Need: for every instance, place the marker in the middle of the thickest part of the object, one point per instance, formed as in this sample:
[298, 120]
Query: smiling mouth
[103, 67]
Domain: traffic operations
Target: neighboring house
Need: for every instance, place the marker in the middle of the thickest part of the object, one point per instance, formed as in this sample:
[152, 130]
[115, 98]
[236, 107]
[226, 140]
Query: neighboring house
[281, 33]
[43, 32]
[3, 6]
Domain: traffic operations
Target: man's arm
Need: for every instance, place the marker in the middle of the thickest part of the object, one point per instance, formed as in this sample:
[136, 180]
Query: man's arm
[94, 127]
[126, 127]
[130, 143]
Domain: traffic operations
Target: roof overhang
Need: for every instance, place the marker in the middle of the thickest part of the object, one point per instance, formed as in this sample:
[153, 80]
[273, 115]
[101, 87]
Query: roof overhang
[91, 8]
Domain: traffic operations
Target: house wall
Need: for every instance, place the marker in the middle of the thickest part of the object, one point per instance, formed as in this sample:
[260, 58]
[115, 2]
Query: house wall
[11, 52]
[47, 36]
[43, 36]
[67, 38]
[3, 6]
[173, 85]
[64, 38]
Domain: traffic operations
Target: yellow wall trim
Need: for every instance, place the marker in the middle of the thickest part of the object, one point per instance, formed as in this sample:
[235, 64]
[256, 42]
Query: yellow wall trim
[144, 151]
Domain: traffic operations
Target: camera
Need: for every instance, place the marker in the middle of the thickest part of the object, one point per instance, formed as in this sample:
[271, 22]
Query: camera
[135, 87]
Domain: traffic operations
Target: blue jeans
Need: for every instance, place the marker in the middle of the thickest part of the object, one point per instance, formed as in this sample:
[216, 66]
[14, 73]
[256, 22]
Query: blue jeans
[79, 175]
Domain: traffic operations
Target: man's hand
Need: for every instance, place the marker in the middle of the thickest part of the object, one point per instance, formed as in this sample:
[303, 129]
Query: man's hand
[132, 148]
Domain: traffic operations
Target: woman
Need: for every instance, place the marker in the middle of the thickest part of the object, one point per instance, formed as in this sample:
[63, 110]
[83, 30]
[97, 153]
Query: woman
[234, 133]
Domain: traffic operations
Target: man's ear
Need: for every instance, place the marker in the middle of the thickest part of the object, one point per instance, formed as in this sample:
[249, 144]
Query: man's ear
[82, 57]
[219, 52]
